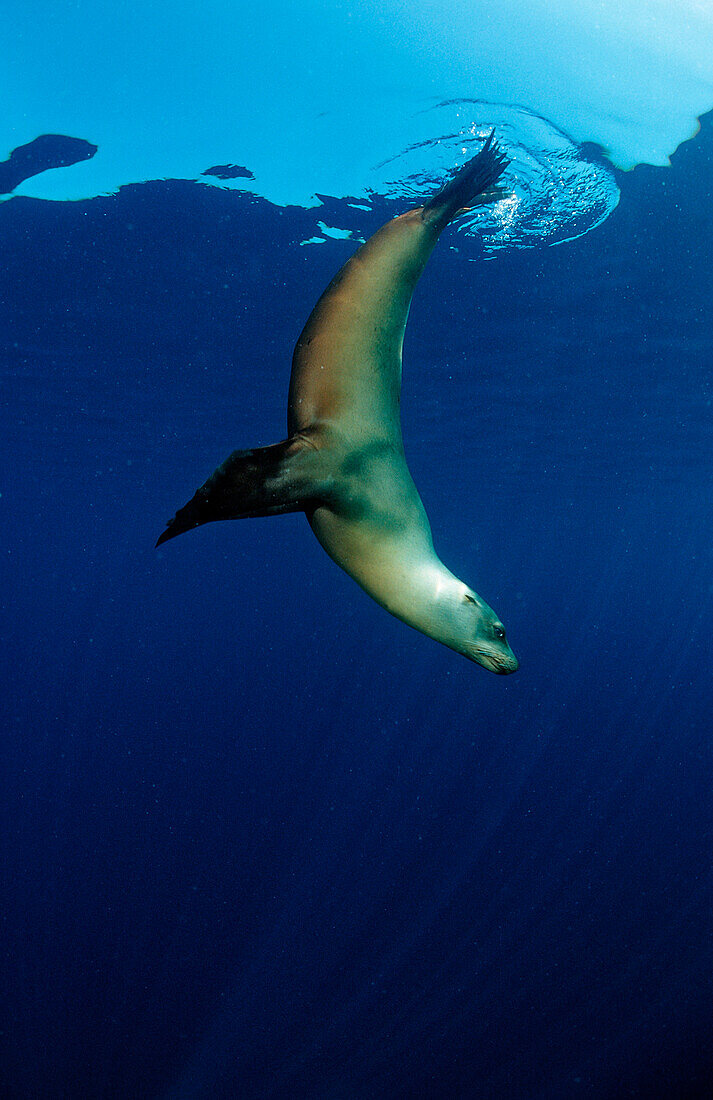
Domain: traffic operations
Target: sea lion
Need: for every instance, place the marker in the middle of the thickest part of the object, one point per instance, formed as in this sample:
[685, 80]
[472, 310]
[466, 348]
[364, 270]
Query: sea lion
[343, 463]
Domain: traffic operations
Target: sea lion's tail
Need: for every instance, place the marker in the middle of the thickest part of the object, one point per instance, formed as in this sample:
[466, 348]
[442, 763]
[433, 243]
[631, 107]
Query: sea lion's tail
[267, 481]
[472, 185]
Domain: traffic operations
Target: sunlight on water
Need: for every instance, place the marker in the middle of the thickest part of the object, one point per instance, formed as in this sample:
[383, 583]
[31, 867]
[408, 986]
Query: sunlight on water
[306, 98]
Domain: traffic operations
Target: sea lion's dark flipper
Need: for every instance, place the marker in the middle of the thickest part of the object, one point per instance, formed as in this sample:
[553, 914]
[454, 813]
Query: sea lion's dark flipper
[266, 481]
[472, 185]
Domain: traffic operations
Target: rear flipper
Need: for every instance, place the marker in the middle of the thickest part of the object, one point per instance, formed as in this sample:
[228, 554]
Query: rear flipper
[472, 185]
[263, 482]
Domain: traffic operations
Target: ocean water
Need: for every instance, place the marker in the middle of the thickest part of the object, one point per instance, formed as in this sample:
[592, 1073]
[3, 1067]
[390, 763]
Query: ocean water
[260, 840]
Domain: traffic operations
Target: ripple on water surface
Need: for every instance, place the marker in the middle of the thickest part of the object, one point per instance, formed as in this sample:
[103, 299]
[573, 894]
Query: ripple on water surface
[556, 193]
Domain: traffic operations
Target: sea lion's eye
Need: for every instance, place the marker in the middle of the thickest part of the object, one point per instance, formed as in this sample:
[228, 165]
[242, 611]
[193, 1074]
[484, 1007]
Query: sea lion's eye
[499, 632]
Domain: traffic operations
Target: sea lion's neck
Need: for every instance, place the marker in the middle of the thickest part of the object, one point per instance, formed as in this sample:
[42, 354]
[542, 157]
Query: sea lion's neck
[403, 573]
[419, 592]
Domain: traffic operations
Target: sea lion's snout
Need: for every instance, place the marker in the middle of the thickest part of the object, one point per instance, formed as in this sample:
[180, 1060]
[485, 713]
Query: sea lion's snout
[501, 663]
[510, 664]
[490, 648]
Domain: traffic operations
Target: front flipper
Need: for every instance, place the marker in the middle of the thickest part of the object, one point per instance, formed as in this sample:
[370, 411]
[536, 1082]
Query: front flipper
[267, 481]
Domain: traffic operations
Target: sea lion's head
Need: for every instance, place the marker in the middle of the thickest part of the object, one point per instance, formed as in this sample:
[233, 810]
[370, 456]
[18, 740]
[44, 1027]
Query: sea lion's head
[478, 632]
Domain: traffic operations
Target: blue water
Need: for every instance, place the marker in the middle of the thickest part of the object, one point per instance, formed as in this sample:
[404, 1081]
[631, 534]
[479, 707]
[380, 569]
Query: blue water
[260, 840]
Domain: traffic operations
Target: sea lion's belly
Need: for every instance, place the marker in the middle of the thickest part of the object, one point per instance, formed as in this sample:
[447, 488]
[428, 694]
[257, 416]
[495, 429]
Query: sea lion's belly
[376, 526]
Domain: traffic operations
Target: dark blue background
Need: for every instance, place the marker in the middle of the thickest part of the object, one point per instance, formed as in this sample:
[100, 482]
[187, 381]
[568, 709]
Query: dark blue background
[260, 839]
